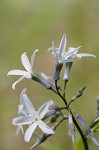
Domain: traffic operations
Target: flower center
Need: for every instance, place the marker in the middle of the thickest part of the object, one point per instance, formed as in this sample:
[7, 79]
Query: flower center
[37, 118]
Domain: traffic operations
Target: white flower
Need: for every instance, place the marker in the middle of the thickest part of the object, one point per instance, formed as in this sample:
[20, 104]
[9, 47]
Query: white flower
[71, 127]
[62, 57]
[33, 118]
[28, 65]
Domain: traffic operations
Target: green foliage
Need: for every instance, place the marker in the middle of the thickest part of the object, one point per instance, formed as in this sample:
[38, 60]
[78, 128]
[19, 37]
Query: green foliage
[96, 127]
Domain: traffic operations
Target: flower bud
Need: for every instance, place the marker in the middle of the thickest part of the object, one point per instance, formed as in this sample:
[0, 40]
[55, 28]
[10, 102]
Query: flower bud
[42, 82]
[68, 66]
[57, 71]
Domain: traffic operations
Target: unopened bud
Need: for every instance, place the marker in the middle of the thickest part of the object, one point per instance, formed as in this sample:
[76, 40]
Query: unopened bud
[42, 82]
[68, 66]
[57, 71]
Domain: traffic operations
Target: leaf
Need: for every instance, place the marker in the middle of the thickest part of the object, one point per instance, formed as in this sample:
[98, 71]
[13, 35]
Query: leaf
[96, 127]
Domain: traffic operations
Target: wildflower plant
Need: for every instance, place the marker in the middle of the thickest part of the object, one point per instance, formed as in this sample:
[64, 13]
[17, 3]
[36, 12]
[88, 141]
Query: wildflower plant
[43, 122]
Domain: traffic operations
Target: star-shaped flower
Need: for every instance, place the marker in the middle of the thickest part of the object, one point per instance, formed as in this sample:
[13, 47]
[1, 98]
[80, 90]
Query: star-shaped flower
[28, 65]
[61, 57]
[33, 118]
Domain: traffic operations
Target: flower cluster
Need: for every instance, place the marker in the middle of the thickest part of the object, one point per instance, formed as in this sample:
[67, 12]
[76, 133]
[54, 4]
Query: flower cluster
[49, 116]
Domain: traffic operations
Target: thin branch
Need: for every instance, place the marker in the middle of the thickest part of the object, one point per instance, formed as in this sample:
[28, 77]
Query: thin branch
[63, 98]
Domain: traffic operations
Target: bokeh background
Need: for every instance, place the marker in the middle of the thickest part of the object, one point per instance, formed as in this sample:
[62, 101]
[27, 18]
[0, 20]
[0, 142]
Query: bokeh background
[29, 24]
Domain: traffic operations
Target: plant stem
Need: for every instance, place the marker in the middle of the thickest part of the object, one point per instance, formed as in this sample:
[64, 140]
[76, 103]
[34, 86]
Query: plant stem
[81, 133]
[74, 120]
[63, 98]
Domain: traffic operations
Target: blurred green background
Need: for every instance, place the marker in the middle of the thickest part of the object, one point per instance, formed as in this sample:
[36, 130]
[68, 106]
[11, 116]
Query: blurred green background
[29, 24]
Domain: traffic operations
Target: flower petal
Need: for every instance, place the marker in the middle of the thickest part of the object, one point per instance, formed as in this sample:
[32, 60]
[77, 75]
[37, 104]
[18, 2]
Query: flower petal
[73, 49]
[55, 51]
[30, 131]
[21, 96]
[22, 120]
[25, 62]
[85, 55]
[17, 72]
[46, 129]
[43, 110]
[28, 105]
[33, 56]
[18, 130]
[62, 45]
[71, 52]
[16, 82]
[65, 60]
[21, 110]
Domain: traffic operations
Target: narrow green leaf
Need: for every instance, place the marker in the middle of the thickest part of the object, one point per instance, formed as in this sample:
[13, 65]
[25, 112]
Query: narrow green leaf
[96, 127]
